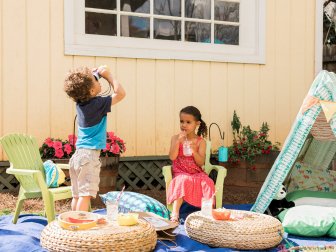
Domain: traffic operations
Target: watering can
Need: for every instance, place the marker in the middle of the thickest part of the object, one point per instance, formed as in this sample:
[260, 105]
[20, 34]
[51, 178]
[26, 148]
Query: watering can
[223, 152]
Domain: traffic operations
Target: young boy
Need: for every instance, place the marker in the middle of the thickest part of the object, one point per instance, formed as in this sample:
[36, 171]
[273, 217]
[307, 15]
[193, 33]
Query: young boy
[83, 87]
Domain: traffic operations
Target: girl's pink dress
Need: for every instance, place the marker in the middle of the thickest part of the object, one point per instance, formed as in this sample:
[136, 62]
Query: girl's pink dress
[189, 181]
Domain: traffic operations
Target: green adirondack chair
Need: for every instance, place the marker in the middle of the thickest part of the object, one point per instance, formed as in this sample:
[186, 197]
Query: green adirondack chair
[27, 167]
[221, 174]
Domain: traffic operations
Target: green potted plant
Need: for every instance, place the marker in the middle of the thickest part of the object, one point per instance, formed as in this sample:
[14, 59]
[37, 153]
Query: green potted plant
[249, 144]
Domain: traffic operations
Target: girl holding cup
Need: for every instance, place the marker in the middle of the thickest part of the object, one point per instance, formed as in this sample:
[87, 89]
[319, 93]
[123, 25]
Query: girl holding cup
[187, 151]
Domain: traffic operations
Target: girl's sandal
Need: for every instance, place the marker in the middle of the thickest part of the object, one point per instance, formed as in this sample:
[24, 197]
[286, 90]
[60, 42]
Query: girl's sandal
[174, 218]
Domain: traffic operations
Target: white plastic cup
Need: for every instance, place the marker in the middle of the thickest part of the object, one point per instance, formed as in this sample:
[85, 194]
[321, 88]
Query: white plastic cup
[111, 210]
[187, 151]
[206, 208]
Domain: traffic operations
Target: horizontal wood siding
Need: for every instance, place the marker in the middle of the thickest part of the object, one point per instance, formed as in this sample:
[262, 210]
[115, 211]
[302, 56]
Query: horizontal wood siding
[33, 67]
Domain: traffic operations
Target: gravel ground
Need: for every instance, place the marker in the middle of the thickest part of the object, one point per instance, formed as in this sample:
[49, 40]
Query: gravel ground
[232, 195]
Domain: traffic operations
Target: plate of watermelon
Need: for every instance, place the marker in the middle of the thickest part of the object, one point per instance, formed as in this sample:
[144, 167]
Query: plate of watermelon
[77, 220]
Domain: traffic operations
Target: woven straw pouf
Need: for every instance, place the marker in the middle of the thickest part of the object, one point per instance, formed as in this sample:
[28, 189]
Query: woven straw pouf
[254, 231]
[108, 237]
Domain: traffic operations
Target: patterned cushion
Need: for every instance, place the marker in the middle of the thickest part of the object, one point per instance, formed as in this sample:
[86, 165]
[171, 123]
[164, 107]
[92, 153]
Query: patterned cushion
[54, 175]
[304, 177]
[131, 201]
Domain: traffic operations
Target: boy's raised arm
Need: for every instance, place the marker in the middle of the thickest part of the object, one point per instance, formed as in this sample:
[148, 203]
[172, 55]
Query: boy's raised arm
[119, 92]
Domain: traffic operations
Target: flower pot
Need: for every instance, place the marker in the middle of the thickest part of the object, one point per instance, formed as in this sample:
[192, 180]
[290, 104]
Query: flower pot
[108, 174]
[244, 174]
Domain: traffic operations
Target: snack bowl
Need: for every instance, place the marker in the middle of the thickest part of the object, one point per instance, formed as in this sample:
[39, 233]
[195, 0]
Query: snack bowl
[127, 219]
[77, 220]
[221, 214]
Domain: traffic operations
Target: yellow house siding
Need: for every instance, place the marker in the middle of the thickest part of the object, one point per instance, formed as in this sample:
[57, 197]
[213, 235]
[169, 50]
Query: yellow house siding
[38, 68]
[127, 109]
[282, 66]
[14, 66]
[145, 106]
[61, 108]
[1, 76]
[218, 110]
[164, 99]
[33, 67]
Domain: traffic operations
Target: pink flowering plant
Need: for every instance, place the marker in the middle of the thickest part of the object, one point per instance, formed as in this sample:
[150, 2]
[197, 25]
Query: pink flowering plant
[58, 149]
[114, 145]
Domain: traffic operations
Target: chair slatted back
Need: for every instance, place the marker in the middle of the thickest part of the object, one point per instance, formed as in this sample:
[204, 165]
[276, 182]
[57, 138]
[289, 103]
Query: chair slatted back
[23, 153]
[207, 164]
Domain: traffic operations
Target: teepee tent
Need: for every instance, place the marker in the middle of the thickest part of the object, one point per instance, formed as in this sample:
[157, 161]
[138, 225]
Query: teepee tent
[305, 159]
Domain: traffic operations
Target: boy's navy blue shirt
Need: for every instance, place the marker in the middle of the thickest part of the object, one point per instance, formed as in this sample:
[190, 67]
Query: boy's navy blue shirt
[91, 117]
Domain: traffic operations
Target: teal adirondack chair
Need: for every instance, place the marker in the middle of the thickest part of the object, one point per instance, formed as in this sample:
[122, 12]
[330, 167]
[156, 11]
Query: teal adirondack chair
[27, 167]
[221, 174]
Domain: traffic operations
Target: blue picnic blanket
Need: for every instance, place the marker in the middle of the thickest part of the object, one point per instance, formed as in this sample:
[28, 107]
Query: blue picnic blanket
[25, 235]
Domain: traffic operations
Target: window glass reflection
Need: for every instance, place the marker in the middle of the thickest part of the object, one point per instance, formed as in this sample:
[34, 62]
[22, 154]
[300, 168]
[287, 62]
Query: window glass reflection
[167, 29]
[99, 23]
[137, 27]
[226, 34]
[226, 11]
[198, 9]
[167, 7]
[139, 6]
[197, 32]
[101, 4]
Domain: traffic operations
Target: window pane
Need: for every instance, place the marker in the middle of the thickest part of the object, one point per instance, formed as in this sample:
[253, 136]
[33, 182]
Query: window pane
[137, 27]
[197, 32]
[167, 7]
[167, 29]
[226, 11]
[140, 6]
[198, 9]
[99, 23]
[101, 4]
[226, 34]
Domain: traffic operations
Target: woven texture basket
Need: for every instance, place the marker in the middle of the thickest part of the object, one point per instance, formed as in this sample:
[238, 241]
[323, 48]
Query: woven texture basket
[321, 129]
[254, 231]
[108, 237]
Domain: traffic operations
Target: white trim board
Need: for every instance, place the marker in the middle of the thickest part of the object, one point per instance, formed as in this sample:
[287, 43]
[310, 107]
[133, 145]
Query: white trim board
[250, 50]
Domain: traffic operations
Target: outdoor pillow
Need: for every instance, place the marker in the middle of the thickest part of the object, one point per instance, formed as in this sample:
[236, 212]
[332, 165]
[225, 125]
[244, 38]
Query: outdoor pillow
[305, 197]
[307, 220]
[54, 175]
[136, 202]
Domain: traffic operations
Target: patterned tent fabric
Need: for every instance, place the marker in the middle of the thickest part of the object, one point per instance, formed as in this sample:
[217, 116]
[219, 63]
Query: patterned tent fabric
[323, 88]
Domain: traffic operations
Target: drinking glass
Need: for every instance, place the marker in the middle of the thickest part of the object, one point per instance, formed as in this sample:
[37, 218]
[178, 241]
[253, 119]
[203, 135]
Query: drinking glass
[111, 210]
[206, 208]
[187, 149]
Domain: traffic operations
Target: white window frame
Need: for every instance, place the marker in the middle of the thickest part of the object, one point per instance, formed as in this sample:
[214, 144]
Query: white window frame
[251, 48]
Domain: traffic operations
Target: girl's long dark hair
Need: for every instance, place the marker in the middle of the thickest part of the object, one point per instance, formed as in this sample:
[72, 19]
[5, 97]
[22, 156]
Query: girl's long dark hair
[191, 110]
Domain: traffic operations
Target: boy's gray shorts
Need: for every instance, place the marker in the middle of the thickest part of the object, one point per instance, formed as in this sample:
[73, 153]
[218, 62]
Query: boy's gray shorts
[84, 172]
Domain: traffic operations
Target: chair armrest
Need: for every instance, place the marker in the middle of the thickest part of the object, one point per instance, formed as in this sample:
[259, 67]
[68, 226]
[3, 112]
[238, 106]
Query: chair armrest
[218, 168]
[14, 171]
[63, 166]
[219, 185]
[167, 173]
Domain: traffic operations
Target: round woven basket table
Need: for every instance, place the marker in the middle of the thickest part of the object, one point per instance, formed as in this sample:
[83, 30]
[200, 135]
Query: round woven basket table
[106, 237]
[253, 231]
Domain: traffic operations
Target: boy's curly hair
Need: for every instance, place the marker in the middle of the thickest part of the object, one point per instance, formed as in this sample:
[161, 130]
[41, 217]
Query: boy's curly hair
[78, 83]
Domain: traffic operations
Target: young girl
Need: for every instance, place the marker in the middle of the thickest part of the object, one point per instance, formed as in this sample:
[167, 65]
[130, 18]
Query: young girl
[190, 183]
